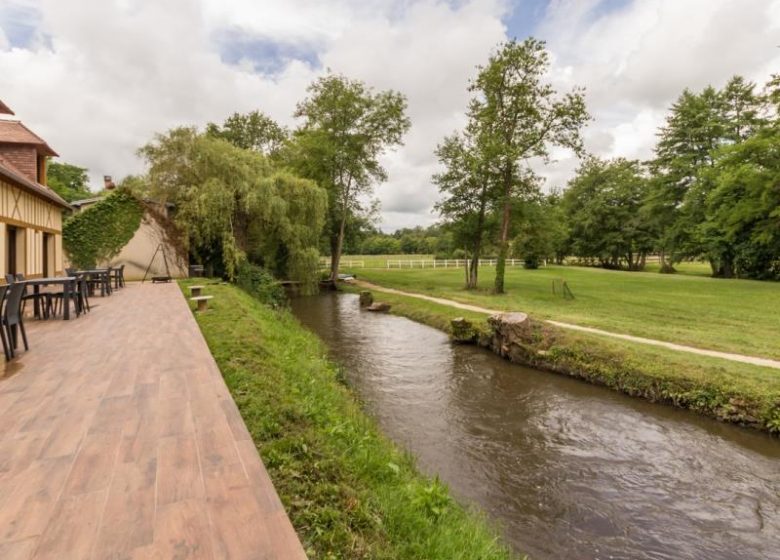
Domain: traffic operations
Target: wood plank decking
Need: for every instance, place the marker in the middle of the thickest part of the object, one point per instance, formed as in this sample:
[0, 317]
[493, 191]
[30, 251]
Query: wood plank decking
[119, 440]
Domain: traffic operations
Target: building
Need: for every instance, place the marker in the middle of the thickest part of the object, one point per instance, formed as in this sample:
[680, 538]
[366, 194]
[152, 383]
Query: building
[152, 246]
[30, 212]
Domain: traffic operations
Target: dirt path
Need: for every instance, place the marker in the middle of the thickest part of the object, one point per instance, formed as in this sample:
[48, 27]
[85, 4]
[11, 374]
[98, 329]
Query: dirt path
[753, 360]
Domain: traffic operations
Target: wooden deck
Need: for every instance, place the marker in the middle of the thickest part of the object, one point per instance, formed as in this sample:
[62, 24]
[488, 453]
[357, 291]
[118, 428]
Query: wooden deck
[119, 440]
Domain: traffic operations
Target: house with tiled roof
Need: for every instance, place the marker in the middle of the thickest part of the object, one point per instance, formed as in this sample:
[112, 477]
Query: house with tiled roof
[30, 212]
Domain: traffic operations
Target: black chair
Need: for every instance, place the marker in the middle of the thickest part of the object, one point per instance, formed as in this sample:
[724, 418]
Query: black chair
[6, 348]
[10, 279]
[118, 276]
[12, 317]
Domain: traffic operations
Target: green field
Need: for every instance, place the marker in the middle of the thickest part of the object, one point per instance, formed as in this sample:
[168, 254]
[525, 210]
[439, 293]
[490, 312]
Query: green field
[741, 316]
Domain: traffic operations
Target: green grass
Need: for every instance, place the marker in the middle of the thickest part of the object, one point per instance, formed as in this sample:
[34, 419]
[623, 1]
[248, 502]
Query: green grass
[729, 391]
[349, 491]
[730, 315]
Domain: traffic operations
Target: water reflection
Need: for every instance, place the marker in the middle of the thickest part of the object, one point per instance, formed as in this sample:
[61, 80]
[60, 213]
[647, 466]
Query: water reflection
[568, 469]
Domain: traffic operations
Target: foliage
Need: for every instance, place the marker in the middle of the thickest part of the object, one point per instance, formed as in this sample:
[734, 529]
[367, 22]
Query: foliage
[468, 188]
[346, 128]
[253, 131]
[742, 208]
[349, 492]
[68, 181]
[260, 284]
[516, 116]
[542, 232]
[602, 206]
[98, 233]
[232, 204]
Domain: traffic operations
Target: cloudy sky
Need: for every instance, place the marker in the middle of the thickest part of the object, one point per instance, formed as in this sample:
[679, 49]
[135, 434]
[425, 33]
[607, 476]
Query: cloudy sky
[97, 78]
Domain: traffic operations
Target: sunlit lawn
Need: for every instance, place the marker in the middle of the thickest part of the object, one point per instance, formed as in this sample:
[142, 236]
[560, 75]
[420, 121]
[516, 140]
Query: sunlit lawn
[740, 316]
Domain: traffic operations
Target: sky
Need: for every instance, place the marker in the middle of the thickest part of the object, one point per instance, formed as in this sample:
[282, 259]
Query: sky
[98, 78]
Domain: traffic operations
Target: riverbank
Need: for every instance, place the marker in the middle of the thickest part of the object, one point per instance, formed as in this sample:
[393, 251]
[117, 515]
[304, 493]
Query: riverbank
[349, 492]
[743, 394]
[737, 316]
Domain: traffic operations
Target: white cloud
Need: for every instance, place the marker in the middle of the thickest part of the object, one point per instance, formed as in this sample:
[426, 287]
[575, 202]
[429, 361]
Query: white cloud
[98, 78]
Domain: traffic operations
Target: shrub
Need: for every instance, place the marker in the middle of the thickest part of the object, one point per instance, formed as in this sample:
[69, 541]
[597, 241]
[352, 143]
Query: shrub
[260, 284]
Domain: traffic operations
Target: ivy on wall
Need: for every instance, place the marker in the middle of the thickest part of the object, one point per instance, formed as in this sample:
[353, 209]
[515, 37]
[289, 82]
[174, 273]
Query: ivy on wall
[99, 232]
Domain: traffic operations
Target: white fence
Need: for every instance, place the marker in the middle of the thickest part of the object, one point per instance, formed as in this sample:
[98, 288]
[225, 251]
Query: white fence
[446, 263]
[325, 263]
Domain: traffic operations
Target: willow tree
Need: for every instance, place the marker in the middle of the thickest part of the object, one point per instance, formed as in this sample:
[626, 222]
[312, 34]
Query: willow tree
[233, 202]
[517, 116]
[346, 128]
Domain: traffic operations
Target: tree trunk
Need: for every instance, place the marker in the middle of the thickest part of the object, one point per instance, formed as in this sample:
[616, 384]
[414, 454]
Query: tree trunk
[335, 257]
[503, 244]
[473, 269]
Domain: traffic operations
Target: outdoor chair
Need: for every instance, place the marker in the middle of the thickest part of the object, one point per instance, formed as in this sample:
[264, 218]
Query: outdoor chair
[44, 298]
[82, 297]
[10, 279]
[12, 317]
[118, 276]
[6, 348]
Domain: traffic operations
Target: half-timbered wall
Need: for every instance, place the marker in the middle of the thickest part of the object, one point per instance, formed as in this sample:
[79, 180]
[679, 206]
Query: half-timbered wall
[32, 216]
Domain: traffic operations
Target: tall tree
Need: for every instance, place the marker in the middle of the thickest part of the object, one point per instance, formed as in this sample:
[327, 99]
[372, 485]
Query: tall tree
[252, 131]
[232, 203]
[603, 204]
[347, 127]
[466, 187]
[517, 116]
[68, 181]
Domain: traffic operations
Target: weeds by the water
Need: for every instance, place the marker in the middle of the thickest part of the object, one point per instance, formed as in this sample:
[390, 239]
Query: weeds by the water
[734, 392]
[349, 492]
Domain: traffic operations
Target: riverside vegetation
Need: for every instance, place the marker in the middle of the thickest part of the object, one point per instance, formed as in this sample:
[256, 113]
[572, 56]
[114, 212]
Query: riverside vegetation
[349, 491]
[732, 392]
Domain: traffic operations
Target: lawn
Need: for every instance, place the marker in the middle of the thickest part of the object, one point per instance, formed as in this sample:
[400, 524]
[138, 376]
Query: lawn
[350, 493]
[740, 316]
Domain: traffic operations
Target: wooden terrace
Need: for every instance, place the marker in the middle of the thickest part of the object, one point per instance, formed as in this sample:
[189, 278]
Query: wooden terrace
[120, 440]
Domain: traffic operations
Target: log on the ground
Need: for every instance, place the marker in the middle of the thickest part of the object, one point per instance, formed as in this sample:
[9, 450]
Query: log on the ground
[379, 307]
[366, 298]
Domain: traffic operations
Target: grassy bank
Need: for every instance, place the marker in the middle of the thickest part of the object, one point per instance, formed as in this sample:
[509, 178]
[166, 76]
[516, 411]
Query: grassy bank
[729, 315]
[349, 492]
[728, 391]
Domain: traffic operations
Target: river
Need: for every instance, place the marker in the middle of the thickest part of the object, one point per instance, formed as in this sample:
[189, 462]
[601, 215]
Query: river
[566, 469]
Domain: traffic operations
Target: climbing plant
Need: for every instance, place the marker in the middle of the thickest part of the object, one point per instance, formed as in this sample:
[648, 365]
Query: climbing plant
[99, 232]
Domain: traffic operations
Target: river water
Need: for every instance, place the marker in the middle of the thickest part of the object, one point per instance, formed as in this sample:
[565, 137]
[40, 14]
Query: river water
[566, 469]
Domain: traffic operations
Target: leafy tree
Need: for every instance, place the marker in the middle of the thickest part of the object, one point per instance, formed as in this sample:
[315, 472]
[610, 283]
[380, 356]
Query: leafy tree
[232, 203]
[253, 131]
[603, 205]
[743, 207]
[467, 188]
[542, 234]
[346, 128]
[516, 116]
[68, 181]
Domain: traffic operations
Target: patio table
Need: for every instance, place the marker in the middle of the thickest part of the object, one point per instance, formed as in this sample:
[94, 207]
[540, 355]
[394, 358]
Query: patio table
[69, 288]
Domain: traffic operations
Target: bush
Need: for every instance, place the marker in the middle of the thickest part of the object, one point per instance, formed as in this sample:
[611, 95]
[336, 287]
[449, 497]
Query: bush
[260, 284]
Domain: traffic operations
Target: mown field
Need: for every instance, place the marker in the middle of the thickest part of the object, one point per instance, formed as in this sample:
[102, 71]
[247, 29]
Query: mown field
[741, 316]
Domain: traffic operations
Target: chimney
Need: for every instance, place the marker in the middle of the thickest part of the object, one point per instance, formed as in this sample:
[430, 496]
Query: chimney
[108, 183]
